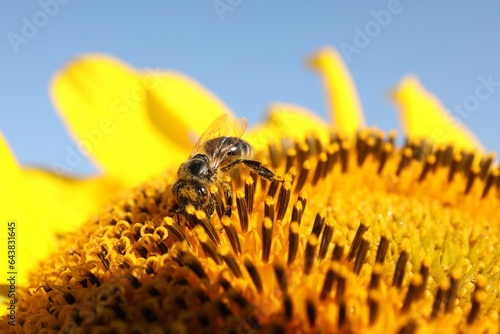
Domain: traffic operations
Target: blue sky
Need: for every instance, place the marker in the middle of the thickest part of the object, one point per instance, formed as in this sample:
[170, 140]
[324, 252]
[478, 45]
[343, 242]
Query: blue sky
[250, 54]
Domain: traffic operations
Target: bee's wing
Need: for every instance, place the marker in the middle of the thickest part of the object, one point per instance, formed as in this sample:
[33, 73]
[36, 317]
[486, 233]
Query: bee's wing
[228, 129]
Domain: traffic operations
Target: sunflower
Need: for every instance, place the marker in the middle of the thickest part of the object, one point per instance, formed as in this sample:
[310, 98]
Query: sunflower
[357, 234]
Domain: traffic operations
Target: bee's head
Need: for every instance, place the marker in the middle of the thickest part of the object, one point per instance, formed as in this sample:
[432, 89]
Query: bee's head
[189, 191]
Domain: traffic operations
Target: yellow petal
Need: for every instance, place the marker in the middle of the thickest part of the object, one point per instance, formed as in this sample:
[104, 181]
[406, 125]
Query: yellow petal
[21, 221]
[424, 117]
[341, 93]
[181, 108]
[132, 124]
[68, 202]
[286, 121]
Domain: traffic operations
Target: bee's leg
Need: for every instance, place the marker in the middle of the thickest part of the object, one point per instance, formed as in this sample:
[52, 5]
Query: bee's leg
[254, 165]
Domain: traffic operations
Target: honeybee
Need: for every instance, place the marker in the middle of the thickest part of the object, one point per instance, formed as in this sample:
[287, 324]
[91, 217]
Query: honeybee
[219, 150]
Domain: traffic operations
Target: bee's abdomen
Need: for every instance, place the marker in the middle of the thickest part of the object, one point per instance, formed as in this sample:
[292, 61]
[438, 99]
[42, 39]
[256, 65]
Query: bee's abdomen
[242, 149]
[239, 148]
